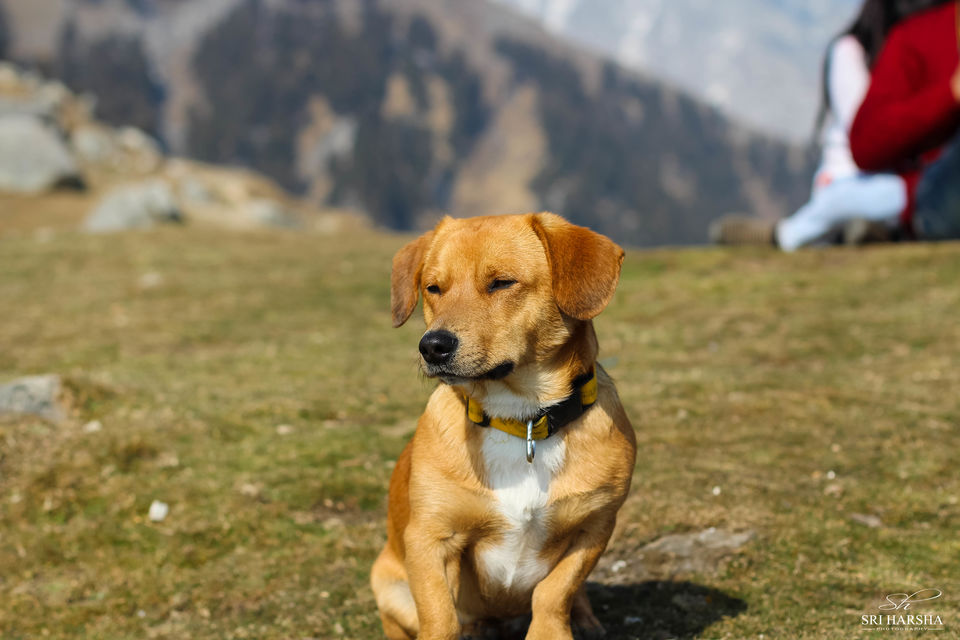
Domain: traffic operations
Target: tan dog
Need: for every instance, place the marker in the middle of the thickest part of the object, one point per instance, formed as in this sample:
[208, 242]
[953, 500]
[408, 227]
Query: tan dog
[508, 493]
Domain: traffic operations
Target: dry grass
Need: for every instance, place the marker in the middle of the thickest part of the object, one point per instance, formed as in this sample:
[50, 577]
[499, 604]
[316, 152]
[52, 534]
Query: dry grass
[757, 373]
[61, 210]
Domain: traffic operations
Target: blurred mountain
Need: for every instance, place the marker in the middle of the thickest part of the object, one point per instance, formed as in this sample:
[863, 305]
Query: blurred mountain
[409, 109]
[756, 59]
[4, 33]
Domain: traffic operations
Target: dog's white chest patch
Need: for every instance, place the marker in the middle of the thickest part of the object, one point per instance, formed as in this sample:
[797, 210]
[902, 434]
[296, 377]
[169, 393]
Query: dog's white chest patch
[522, 491]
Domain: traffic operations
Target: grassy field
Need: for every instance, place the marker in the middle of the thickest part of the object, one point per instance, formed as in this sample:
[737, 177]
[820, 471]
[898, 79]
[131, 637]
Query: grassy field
[254, 384]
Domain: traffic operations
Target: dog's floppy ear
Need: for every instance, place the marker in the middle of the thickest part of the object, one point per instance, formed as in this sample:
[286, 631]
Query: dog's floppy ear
[405, 278]
[584, 265]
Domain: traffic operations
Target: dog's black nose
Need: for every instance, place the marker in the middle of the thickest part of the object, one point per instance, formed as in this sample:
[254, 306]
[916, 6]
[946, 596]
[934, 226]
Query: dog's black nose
[437, 347]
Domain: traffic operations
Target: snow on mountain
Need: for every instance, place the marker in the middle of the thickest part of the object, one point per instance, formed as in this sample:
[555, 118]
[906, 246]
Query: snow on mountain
[759, 60]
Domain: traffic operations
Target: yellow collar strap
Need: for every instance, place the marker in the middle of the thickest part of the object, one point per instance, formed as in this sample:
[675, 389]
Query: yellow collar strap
[551, 419]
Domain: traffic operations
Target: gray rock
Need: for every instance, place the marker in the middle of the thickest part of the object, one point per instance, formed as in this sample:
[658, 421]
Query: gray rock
[134, 206]
[33, 156]
[9, 76]
[54, 95]
[867, 520]
[93, 144]
[141, 150]
[695, 552]
[44, 101]
[25, 107]
[193, 192]
[34, 395]
[133, 139]
[269, 213]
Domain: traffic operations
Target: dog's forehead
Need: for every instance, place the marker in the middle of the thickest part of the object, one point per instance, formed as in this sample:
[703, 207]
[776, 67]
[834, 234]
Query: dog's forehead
[488, 242]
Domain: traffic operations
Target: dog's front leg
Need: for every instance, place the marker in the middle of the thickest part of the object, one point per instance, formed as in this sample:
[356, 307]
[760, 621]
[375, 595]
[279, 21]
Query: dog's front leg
[554, 596]
[433, 567]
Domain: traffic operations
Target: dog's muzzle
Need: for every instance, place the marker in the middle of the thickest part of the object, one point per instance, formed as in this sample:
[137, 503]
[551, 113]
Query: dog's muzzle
[438, 347]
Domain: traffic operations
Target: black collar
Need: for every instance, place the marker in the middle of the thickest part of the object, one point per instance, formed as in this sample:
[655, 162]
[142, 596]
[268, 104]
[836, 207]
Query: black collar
[549, 420]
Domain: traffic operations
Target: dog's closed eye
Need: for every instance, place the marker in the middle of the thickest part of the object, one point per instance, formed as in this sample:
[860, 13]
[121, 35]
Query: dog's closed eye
[501, 283]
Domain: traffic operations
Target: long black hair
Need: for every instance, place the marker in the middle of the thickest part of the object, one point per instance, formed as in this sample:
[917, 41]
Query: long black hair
[871, 28]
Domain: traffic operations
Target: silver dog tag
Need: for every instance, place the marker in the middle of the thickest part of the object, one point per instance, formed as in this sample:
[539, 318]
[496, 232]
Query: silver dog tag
[531, 444]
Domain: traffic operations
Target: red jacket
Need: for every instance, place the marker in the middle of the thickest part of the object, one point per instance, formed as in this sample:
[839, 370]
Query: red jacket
[910, 111]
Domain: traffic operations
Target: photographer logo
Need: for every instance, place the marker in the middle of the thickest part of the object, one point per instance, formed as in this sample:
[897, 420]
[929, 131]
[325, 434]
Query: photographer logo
[903, 612]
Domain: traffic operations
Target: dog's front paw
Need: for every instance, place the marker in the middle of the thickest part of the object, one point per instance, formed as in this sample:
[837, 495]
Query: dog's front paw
[585, 626]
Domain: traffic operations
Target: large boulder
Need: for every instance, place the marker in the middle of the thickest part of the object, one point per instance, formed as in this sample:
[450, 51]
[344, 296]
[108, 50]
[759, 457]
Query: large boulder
[33, 156]
[139, 205]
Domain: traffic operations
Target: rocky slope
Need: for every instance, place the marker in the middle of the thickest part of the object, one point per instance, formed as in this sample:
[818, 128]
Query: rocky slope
[408, 109]
[55, 155]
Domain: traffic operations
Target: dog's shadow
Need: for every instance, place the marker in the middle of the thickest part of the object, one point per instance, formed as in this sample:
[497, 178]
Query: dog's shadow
[657, 610]
[654, 610]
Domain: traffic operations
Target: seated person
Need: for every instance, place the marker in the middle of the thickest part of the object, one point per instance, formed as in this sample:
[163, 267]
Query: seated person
[851, 202]
[910, 119]
[841, 192]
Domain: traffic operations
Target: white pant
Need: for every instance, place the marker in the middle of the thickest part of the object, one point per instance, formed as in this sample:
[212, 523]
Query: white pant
[878, 197]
